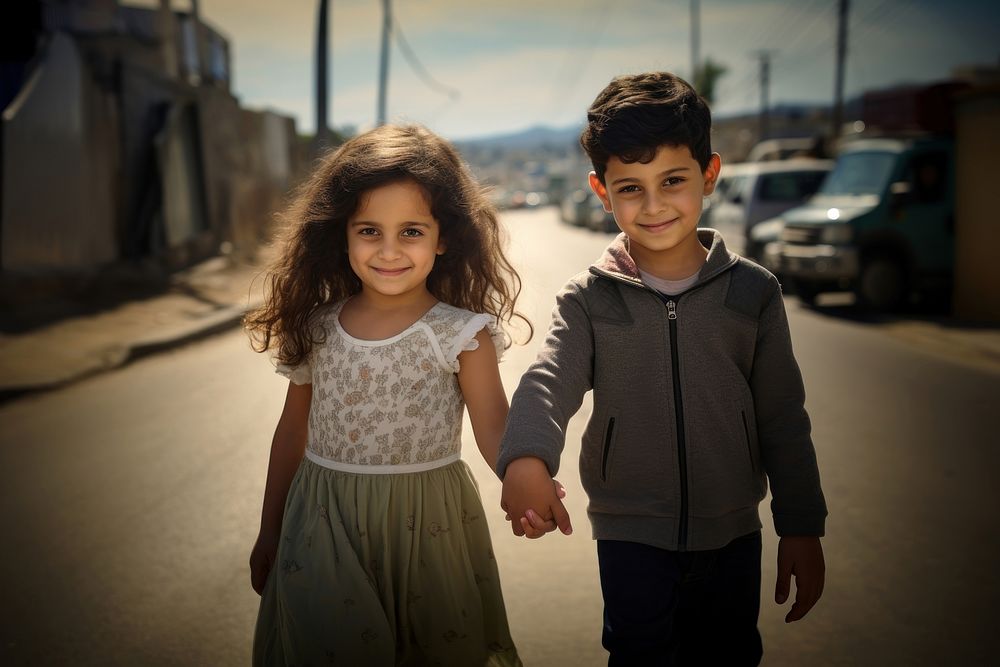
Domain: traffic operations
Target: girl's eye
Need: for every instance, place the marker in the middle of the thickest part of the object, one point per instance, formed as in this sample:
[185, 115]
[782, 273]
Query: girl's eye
[367, 231]
[412, 232]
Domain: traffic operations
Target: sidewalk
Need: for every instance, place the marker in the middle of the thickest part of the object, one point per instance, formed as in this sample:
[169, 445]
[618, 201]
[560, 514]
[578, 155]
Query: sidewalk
[205, 299]
[213, 296]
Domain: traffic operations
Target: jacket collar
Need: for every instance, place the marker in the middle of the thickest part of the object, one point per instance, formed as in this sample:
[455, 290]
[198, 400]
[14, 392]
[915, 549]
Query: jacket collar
[616, 262]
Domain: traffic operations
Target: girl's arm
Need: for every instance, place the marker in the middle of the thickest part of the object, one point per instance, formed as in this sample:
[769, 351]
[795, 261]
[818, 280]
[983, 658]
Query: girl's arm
[287, 449]
[482, 388]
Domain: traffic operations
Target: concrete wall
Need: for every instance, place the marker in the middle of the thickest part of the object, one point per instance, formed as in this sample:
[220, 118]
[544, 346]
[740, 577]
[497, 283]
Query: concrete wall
[977, 210]
[60, 175]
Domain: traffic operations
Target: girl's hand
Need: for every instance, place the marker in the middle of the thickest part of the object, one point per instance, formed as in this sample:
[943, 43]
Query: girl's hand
[265, 551]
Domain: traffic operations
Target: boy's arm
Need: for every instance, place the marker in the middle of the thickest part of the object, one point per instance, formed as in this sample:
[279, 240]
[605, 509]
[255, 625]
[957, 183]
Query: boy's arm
[552, 389]
[550, 392]
[789, 459]
[783, 428]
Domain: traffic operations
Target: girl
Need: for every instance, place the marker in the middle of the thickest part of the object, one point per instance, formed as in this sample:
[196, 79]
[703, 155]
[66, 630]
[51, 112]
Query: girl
[384, 313]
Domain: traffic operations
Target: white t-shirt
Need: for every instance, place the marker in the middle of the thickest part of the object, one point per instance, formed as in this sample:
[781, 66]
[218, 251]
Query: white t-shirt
[669, 287]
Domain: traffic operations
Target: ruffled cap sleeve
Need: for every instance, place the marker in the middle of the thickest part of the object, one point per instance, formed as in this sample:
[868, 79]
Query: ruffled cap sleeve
[466, 339]
[301, 374]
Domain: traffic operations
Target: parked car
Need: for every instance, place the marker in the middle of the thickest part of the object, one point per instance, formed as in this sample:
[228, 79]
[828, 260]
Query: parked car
[764, 244]
[751, 192]
[882, 226]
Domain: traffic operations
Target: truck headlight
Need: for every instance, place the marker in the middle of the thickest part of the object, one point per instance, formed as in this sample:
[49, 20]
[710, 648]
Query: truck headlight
[837, 234]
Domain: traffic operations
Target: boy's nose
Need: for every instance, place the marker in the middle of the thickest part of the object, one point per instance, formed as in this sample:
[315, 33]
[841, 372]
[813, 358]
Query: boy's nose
[653, 203]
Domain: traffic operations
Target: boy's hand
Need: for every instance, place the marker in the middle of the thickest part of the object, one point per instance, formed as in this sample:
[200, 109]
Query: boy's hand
[803, 557]
[532, 499]
[534, 525]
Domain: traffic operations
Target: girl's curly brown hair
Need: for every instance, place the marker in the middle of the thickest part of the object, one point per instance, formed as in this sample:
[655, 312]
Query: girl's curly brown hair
[313, 269]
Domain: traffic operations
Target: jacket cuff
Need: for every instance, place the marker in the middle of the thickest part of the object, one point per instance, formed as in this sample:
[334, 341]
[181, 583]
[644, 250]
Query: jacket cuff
[799, 525]
[510, 454]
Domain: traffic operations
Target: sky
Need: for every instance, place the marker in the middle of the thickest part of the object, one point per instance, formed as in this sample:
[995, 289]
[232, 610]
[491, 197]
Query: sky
[501, 67]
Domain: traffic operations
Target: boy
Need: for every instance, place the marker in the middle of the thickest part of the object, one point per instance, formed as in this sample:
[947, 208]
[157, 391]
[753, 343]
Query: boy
[698, 402]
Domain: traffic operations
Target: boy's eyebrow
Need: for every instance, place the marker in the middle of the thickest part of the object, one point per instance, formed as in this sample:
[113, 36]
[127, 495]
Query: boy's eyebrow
[666, 172]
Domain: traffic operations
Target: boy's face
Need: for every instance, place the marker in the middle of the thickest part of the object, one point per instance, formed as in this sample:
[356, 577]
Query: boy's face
[658, 204]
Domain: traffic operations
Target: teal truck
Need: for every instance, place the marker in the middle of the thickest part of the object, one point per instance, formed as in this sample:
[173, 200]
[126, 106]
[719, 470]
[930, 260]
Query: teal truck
[883, 223]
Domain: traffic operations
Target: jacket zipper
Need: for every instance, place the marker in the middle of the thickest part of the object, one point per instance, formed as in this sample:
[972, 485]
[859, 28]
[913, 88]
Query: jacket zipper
[607, 449]
[682, 530]
[678, 403]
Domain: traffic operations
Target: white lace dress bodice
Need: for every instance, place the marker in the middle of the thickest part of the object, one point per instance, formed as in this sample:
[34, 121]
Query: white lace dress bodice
[392, 405]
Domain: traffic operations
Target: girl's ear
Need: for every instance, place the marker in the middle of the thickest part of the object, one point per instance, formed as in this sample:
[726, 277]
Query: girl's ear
[600, 191]
[441, 247]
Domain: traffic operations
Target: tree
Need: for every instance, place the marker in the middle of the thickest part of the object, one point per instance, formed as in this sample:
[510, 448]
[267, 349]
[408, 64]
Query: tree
[705, 78]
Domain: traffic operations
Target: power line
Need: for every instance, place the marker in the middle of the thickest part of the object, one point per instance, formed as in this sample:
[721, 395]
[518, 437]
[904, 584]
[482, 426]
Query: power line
[418, 67]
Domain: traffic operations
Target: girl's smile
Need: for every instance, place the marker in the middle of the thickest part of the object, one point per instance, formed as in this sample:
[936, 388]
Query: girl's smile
[393, 240]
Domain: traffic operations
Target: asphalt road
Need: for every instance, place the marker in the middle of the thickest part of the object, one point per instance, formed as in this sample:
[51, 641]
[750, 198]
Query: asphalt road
[130, 500]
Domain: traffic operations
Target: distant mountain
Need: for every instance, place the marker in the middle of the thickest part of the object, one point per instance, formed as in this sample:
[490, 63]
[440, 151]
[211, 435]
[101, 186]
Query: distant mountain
[529, 138]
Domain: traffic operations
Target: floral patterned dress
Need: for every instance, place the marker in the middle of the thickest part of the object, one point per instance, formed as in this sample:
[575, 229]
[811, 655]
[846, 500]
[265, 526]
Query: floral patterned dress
[385, 555]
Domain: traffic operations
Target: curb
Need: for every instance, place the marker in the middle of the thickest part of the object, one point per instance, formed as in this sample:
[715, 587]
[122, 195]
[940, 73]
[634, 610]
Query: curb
[119, 355]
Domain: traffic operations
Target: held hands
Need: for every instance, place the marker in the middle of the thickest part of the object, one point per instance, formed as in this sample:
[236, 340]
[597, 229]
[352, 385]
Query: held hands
[802, 557]
[265, 551]
[532, 499]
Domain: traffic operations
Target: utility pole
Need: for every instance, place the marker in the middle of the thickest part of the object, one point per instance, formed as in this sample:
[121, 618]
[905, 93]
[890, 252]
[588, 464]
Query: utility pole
[838, 86]
[200, 42]
[322, 139]
[695, 41]
[765, 84]
[383, 70]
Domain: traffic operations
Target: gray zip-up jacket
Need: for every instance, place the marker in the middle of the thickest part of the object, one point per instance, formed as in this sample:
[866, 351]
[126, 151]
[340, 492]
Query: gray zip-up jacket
[698, 402]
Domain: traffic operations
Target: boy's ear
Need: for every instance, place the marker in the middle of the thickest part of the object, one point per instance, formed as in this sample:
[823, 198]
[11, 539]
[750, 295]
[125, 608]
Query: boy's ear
[599, 190]
[711, 174]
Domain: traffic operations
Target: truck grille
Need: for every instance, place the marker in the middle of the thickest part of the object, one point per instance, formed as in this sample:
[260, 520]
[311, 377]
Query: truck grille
[801, 235]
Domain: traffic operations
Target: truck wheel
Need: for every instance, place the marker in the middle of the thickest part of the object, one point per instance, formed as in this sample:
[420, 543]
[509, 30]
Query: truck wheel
[882, 285]
[807, 292]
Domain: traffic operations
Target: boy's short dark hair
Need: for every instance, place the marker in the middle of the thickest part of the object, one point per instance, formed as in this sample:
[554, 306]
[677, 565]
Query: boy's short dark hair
[635, 114]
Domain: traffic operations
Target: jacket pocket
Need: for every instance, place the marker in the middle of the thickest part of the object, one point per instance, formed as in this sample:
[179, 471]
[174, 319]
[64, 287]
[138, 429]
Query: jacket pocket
[749, 442]
[609, 435]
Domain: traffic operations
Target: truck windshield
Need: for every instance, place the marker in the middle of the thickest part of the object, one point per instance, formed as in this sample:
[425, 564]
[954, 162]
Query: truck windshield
[862, 173]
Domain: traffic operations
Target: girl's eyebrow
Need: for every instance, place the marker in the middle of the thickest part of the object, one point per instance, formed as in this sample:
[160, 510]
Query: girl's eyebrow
[372, 223]
[666, 172]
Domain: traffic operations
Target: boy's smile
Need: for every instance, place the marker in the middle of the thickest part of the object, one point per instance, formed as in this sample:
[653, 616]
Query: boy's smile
[658, 205]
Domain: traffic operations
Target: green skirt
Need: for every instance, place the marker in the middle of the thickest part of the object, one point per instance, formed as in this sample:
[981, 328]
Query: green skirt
[388, 569]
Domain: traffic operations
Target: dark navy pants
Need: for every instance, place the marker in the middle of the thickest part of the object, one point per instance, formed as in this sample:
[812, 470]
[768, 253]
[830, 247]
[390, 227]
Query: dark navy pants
[681, 607]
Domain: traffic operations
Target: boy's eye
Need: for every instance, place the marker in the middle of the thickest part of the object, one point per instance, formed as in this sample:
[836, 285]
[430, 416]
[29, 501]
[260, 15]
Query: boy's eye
[628, 188]
[673, 180]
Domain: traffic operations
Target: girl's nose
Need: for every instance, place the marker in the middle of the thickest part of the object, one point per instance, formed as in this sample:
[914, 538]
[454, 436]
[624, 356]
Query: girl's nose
[389, 248]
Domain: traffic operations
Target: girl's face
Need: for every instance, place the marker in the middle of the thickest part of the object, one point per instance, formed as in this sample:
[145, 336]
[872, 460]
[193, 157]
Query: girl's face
[393, 240]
